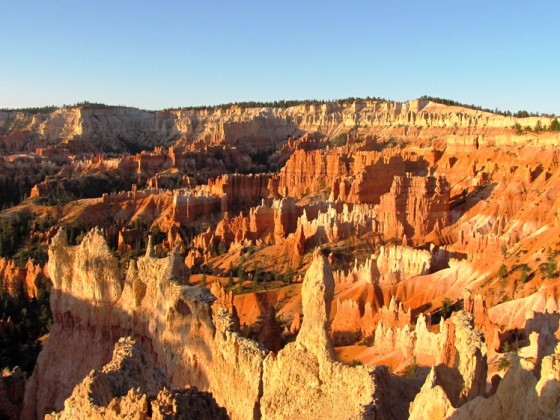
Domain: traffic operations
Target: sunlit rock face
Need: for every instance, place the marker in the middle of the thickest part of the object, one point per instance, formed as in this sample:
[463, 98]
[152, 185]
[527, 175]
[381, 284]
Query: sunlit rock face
[93, 307]
[439, 222]
[130, 385]
[303, 380]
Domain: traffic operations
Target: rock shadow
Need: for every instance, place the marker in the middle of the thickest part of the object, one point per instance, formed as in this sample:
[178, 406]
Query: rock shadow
[462, 203]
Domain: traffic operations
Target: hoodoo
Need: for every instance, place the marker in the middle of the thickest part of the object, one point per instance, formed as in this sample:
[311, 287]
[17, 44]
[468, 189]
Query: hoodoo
[350, 259]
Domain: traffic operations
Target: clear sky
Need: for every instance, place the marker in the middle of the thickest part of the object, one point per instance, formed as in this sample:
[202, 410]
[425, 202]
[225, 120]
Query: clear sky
[155, 55]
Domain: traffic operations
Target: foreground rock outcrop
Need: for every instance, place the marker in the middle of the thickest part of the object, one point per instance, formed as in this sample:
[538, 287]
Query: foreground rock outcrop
[187, 342]
[520, 394]
[131, 386]
[303, 380]
[93, 307]
[182, 338]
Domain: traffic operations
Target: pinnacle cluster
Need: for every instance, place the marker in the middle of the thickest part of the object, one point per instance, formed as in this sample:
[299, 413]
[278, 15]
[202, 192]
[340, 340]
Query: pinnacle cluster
[362, 260]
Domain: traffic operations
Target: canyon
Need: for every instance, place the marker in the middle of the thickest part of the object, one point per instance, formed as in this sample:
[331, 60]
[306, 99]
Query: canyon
[347, 259]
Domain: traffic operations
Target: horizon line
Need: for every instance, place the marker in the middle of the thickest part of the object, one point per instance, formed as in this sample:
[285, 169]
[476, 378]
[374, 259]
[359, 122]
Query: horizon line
[281, 103]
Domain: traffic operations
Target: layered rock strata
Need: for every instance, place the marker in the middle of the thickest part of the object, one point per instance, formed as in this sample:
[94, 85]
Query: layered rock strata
[113, 128]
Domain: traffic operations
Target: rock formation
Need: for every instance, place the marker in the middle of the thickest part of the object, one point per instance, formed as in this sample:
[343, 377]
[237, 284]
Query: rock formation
[109, 127]
[421, 208]
[14, 279]
[414, 207]
[396, 263]
[93, 307]
[461, 377]
[131, 386]
[185, 344]
[519, 395]
[303, 380]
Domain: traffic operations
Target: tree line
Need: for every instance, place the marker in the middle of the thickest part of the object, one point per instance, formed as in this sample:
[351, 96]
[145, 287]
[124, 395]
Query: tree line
[518, 114]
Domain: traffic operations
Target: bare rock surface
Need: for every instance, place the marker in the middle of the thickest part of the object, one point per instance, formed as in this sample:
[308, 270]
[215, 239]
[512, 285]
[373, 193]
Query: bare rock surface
[303, 380]
[131, 386]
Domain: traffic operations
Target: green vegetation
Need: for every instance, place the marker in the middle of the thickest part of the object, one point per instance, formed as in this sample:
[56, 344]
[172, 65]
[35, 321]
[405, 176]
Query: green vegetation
[524, 272]
[230, 282]
[502, 271]
[539, 127]
[446, 308]
[23, 322]
[341, 139]
[281, 104]
[504, 251]
[450, 102]
[277, 104]
[51, 108]
[257, 275]
[14, 232]
[412, 370]
[504, 364]
[241, 274]
[549, 269]
[512, 347]
[12, 193]
[32, 110]
[338, 140]
[221, 248]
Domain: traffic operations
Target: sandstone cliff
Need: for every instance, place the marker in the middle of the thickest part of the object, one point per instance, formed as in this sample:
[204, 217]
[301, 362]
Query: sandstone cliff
[28, 280]
[131, 386]
[414, 204]
[185, 343]
[520, 394]
[117, 128]
[303, 380]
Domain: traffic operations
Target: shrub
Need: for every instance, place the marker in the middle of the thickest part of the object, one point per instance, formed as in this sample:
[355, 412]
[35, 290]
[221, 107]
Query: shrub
[538, 127]
[230, 282]
[412, 370]
[549, 268]
[31, 319]
[504, 364]
[241, 274]
[502, 272]
[446, 308]
[504, 251]
[339, 140]
[523, 278]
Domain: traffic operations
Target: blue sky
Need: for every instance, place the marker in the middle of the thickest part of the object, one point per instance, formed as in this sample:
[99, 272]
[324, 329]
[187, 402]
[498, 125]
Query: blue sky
[503, 54]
